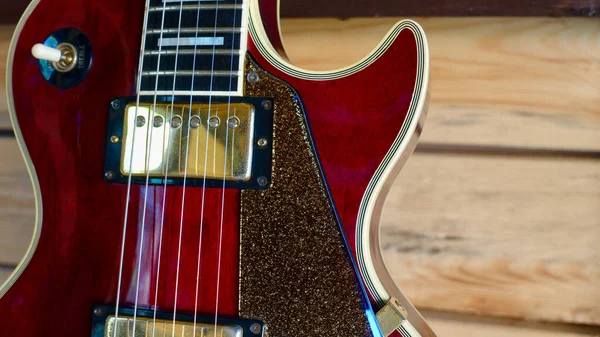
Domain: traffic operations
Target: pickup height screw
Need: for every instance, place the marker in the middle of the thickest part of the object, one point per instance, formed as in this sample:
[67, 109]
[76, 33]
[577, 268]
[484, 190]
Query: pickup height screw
[98, 312]
[115, 139]
[263, 181]
[267, 105]
[195, 122]
[255, 328]
[110, 175]
[263, 142]
[253, 77]
[115, 104]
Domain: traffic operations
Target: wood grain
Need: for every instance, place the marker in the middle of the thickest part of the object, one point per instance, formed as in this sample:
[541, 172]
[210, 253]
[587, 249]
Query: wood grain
[451, 324]
[494, 81]
[16, 204]
[366, 8]
[363, 8]
[511, 237]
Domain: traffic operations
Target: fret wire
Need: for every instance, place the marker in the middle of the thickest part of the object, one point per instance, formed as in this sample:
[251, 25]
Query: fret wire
[189, 73]
[192, 7]
[226, 18]
[191, 51]
[193, 30]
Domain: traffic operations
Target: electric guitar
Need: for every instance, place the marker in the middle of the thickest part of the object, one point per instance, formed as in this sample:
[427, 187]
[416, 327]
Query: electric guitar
[190, 181]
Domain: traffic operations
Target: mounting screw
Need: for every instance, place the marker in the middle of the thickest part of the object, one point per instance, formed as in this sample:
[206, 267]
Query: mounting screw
[255, 328]
[267, 105]
[253, 77]
[115, 139]
[263, 142]
[98, 312]
[115, 104]
[110, 175]
[263, 181]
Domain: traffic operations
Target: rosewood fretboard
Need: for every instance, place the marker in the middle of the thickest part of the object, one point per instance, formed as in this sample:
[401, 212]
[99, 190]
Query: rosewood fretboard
[194, 47]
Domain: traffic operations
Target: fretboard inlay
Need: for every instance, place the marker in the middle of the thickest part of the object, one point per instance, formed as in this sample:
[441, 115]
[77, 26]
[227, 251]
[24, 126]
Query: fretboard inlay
[196, 45]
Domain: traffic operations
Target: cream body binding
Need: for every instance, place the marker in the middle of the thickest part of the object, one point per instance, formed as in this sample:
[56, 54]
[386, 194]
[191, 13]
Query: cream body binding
[371, 266]
[374, 272]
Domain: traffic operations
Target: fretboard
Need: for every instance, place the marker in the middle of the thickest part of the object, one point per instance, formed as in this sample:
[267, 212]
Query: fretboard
[194, 47]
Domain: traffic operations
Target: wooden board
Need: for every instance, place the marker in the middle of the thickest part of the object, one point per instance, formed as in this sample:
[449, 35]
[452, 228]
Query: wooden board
[495, 81]
[365, 8]
[491, 235]
[450, 324]
[494, 235]
[16, 204]
[5, 37]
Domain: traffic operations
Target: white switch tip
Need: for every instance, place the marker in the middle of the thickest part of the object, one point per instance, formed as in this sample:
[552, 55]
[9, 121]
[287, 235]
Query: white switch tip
[43, 52]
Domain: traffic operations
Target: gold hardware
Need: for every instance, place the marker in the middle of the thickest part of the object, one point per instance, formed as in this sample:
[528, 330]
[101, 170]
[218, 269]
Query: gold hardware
[115, 139]
[391, 317]
[170, 126]
[68, 60]
[163, 328]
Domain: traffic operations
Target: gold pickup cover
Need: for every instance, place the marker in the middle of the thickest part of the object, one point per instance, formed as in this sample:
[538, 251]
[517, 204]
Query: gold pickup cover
[145, 327]
[220, 137]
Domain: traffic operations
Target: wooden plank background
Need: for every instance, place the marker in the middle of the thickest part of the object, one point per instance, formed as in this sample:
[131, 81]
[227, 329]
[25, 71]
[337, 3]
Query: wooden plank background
[12, 10]
[510, 231]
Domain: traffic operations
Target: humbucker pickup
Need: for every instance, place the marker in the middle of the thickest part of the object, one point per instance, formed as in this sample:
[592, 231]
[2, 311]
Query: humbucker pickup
[106, 323]
[208, 142]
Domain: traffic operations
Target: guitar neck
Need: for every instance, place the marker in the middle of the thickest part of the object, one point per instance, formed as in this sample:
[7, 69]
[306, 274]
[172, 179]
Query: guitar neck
[194, 47]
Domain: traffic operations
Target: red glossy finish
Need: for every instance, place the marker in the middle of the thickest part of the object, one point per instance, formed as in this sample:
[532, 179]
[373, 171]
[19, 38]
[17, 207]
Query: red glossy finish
[354, 121]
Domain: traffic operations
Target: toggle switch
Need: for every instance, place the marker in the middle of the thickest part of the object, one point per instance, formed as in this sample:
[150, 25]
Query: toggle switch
[43, 52]
[63, 57]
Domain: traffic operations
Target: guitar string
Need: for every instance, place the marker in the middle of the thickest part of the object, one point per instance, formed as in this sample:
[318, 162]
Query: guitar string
[204, 179]
[130, 176]
[167, 127]
[184, 187]
[196, 166]
[149, 125]
[225, 160]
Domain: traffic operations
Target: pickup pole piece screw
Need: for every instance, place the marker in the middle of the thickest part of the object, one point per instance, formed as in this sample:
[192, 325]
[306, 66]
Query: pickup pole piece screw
[140, 121]
[267, 105]
[115, 104]
[158, 121]
[233, 122]
[214, 122]
[195, 122]
[115, 139]
[253, 77]
[176, 122]
[263, 181]
[263, 142]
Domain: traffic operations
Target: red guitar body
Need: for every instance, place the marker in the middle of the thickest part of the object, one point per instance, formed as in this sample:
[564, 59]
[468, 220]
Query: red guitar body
[355, 116]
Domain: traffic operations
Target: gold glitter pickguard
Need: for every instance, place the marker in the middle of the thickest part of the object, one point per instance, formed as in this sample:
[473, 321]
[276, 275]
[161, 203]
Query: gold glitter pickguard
[295, 271]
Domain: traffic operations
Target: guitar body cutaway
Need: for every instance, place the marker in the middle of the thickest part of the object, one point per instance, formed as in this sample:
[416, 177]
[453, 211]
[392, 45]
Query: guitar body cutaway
[305, 249]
